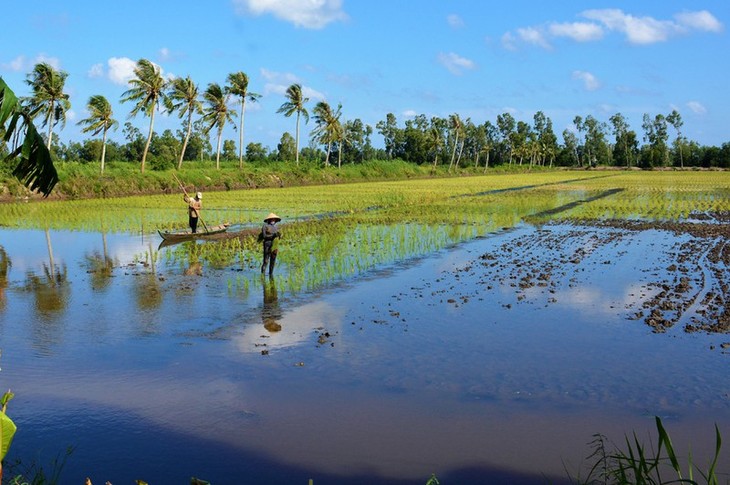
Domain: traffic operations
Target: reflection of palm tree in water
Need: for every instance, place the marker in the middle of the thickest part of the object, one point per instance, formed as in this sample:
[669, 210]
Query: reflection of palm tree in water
[270, 312]
[147, 287]
[5, 265]
[100, 266]
[52, 289]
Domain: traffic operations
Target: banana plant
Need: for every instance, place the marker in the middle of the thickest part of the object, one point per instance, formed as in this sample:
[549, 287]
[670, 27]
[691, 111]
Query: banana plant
[34, 166]
[7, 429]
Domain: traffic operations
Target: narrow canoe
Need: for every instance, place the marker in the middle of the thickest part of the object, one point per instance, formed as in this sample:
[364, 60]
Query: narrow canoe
[186, 235]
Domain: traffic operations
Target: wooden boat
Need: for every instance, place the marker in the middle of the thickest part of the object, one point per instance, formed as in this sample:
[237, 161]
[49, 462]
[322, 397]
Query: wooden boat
[186, 235]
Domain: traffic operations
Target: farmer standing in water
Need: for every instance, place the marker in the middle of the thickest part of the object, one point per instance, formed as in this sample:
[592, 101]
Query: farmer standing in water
[270, 237]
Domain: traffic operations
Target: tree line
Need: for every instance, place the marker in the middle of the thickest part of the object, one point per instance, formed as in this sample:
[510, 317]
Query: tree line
[454, 141]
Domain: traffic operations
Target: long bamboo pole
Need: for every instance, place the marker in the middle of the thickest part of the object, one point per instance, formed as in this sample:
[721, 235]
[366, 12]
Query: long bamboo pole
[186, 195]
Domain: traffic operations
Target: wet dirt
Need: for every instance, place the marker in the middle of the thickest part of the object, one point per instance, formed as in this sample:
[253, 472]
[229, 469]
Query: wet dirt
[689, 291]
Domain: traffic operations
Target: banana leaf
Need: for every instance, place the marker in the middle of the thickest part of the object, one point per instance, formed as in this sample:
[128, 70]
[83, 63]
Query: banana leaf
[7, 431]
[34, 165]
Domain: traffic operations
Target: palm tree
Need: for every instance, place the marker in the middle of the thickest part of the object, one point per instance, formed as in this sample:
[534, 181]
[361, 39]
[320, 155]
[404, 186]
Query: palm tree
[183, 98]
[48, 99]
[238, 86]
[216, 113]
[456, 127]
[295, 104]
[99, 121]
[34, 168]
[328, 128]
[147, 91]
[435, 142]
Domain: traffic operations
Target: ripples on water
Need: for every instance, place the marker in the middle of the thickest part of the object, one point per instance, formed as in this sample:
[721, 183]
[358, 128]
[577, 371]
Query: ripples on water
[391, 376]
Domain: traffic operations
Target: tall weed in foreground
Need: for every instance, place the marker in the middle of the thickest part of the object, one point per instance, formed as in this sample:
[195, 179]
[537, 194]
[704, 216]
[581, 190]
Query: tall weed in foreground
[637, 465]
[35, 474]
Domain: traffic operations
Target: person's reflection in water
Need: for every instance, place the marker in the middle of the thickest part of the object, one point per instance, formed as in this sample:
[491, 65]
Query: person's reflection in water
[270, 312]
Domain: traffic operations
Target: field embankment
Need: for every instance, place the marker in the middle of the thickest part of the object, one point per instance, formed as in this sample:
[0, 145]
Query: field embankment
[83, 181]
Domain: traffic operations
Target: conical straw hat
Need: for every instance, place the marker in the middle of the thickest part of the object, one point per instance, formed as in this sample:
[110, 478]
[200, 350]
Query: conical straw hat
[272, 216]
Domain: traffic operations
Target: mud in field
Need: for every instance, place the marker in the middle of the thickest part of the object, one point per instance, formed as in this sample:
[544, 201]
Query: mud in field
[683, 272]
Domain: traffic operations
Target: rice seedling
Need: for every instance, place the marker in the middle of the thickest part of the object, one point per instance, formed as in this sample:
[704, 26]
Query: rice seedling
[335, 232]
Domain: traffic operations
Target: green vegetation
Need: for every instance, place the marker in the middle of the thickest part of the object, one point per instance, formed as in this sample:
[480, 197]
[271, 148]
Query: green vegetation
[421, 141]
[637, 465]
[358, 227]
[24, 156]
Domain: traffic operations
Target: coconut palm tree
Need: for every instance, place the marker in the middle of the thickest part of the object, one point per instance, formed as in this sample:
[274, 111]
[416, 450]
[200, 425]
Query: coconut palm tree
[238, 86]
[295, 104]
[435, 142]
[34, 165]
[183, 97]
[329, 128]
[147, 91]
[456, 127]
[48, 99]
[99, 121]
[216, 113]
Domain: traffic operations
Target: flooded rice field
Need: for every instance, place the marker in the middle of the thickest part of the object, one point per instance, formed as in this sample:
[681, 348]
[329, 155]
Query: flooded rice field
[494, 359]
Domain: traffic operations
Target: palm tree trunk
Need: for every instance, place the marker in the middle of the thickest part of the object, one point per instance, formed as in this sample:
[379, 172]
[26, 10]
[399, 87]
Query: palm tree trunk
[50, 125]
[461, 150]
[187, 138]
[149, 139]
[50, 135]
[453, 152]
[297, 156]
[103, 149]
[339, 157]
[240, 134]
[486, 162]
[218, 151]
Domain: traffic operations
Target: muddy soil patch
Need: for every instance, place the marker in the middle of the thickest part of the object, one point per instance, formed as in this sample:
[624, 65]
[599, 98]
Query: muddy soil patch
[682, 275]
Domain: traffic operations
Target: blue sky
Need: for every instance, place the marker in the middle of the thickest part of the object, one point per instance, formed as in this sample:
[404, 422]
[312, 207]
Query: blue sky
[476, 58]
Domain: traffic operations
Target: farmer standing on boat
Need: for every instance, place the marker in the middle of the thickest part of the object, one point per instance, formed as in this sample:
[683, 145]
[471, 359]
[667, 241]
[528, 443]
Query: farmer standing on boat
[270, 237]
[195, 204]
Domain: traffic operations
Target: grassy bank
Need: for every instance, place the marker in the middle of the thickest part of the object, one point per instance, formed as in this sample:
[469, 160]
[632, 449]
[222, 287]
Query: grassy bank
[83, 181]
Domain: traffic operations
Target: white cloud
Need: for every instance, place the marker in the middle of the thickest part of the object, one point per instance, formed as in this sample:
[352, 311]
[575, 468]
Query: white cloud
[121, 69]
[310, 14]
[279, 82]
[590, 83]
[70, 115]
[279, 77]
[312, 94]
[578, 31]
[164, 54]
[20, 63]
[97, 70]
[54, 62]
[638, 30]
[455, 63]
[696, 107]
[532, 35]
[409, 113]
[702, 20]
[509, 41]
[454, 21]
[16, 65]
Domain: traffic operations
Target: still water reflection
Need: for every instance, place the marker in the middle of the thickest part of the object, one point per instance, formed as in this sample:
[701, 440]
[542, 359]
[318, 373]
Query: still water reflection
[163, 369]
